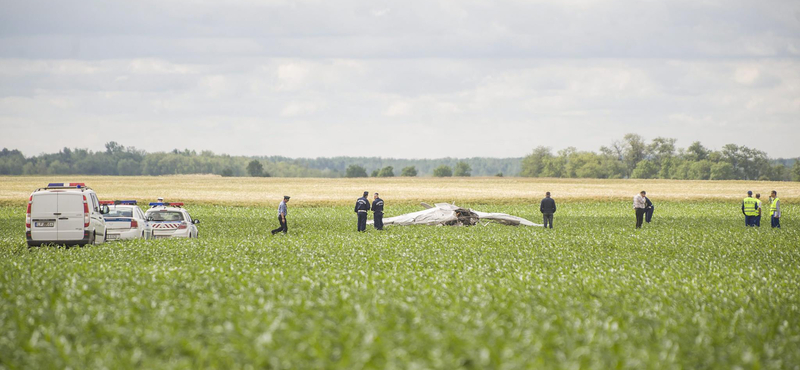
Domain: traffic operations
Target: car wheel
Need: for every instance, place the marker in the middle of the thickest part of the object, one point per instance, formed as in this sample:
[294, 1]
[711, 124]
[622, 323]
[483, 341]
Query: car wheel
[92, 238]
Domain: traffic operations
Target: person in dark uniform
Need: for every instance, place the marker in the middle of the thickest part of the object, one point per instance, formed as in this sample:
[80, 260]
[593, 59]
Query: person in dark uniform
[362, 207]
[377, 212]
[282, 211]
[648, 210]
[547, 207]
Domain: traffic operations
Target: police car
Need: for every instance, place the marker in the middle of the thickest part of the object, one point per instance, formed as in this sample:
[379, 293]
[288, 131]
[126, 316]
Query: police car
[125, 220]
[171, 220]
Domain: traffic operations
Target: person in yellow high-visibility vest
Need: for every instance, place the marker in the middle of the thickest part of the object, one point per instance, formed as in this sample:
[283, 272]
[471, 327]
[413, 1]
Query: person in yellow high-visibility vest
[749, 205]
[775, 209]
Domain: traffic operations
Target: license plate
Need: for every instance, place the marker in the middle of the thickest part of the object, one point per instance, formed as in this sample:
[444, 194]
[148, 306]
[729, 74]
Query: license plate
[44, 224]
[160, 236]
[112, 237]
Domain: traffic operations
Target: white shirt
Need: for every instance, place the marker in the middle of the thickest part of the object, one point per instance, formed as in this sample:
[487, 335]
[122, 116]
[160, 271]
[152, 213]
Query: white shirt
[638, 201]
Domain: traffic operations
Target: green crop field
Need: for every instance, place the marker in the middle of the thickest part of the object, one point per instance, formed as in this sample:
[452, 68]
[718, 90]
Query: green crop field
[695, 289]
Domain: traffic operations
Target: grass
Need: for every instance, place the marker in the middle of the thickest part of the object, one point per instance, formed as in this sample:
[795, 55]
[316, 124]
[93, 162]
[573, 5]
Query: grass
[207, 189]
[695, 289]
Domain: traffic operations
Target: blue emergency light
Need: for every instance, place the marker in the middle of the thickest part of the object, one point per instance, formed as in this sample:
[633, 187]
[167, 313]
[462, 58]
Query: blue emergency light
[126, 202]
[66, 185]
[156, 204]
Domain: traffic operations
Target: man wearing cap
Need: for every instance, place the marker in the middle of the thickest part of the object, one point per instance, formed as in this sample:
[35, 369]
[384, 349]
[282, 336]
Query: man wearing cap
[282, 211]
[377, 212]
[639, 205]
[749, 209]
[362, 207]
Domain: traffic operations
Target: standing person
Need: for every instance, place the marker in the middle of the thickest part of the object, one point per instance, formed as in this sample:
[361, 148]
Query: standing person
[648, 210]
[757, 220]
[282, 211]
[377, 212]
[775, 210]
[749, 210]
[639, 205]
[362, 207]
[547, 207]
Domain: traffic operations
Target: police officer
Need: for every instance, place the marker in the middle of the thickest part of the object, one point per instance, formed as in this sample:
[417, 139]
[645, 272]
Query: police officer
[362, 207]
[750, 210]
[775, 210]
[377, 212]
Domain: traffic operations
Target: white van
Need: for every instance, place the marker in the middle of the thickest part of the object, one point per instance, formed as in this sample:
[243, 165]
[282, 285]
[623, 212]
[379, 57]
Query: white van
[65, 213]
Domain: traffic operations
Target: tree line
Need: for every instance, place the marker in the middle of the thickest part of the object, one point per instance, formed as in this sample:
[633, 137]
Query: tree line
[633, 157]
[120, 160]
[630, 157]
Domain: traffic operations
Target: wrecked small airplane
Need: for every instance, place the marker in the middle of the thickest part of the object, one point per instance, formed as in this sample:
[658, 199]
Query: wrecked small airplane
[452, 215]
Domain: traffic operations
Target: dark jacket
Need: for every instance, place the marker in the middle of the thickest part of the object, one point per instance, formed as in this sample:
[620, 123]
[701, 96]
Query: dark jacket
[647, 203]
[548, 205]
[377, 205]
[362, 204]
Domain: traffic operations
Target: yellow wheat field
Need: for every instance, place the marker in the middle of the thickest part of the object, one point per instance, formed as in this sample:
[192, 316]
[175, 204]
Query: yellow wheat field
[208, 189]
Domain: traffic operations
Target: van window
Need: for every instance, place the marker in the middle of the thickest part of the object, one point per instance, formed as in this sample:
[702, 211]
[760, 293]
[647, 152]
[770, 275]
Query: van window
[95, 203]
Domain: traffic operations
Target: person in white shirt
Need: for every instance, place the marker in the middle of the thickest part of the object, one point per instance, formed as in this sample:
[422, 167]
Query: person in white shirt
[639, 205]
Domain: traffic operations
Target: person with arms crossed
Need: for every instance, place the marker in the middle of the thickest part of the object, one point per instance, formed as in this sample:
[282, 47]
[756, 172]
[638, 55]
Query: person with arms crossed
[282, 211]
[547, 207]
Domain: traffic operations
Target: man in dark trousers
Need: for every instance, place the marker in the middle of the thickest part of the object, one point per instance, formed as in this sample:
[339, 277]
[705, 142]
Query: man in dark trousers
[639, 207]
[282, 211]
[377, 212]
[750, 209]
[648, 210]
[548, 207]
[362, 207]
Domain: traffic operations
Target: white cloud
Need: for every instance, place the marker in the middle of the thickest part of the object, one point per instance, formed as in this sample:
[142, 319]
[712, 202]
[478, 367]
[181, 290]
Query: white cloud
[499, 76]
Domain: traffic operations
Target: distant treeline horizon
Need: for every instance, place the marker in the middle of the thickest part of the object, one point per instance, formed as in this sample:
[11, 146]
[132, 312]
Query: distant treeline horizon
[630, 157]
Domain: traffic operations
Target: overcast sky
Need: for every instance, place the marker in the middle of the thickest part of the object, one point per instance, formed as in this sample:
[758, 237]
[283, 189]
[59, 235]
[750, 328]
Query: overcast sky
[410, 79]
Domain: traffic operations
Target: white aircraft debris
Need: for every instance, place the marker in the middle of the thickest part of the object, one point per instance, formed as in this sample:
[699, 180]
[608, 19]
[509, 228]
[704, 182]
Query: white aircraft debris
[452, 215]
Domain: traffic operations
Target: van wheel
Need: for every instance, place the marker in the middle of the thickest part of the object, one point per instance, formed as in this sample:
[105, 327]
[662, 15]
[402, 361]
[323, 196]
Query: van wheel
[92, 239]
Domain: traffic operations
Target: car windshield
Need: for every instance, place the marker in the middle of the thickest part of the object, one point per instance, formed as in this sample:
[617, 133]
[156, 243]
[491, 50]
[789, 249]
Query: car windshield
[166, 216]
[119, 212]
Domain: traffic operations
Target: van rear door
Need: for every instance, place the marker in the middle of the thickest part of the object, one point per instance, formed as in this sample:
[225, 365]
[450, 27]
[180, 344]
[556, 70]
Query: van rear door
[44, 217]
[70, 221]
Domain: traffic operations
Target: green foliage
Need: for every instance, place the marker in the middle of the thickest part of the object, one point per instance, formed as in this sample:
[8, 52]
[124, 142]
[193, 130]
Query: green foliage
[387, 171]
[409, 171]
[355, 170]
[227, 172]
[632, 157]
[645, 169]
[593, 293]
[722, 171]
[375, 173]
[443, 171]
[462, 169]
[255, 168]
[796, 171]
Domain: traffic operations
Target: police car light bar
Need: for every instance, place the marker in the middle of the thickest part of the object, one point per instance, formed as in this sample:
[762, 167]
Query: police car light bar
[66, 185]
[158, 204]
[125, 202]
